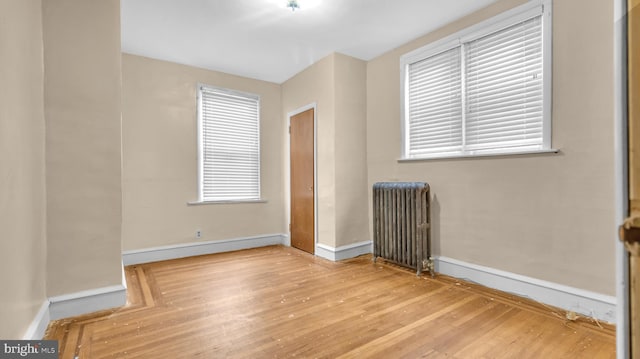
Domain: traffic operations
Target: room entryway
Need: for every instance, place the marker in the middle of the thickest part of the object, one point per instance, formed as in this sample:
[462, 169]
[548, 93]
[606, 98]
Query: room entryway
[302, 180]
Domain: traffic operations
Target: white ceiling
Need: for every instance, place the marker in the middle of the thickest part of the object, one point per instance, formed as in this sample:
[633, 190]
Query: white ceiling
[264, 40]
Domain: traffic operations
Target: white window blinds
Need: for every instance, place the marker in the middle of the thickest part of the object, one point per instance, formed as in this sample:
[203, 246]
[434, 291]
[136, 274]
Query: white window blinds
[435, 109]
[481, 91]
[504, 88]
[229, 145]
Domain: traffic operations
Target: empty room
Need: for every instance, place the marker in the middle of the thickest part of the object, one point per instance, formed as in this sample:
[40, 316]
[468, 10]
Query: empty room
[319, 178]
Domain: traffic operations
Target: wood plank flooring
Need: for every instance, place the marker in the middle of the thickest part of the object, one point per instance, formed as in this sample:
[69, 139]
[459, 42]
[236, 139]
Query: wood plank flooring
[276, 302]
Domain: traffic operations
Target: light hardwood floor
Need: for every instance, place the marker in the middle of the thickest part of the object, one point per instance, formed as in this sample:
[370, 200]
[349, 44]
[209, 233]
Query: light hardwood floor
[280, 302]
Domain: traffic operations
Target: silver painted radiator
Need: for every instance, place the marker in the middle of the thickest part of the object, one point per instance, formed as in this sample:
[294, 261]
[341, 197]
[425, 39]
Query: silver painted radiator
[401, 224]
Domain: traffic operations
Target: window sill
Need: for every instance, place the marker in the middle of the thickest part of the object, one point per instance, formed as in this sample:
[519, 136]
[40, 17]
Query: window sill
[202, 203]
[481, 155]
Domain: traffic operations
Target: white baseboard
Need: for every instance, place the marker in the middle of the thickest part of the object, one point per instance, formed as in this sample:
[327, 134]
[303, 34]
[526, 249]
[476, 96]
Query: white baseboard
[88, 301]
[155, 254]
[39, 324]
[343, 252]
[286, 240]
[596, 305]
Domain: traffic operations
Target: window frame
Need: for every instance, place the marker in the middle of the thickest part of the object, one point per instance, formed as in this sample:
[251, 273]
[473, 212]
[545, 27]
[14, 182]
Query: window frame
[508, 18]
[200, 142]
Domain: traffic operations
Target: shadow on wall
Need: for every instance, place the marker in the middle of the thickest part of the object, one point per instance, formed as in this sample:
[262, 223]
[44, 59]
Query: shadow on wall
[435, 226]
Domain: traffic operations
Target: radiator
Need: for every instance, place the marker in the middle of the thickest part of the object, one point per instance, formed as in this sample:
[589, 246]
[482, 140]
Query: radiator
[401, 224]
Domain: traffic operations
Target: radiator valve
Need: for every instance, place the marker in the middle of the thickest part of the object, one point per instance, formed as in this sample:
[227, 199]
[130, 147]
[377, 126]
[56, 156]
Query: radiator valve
[429, 265]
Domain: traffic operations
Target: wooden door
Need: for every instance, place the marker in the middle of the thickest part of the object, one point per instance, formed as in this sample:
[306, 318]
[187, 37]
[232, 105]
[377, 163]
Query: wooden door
[302, 175]
[630, 230]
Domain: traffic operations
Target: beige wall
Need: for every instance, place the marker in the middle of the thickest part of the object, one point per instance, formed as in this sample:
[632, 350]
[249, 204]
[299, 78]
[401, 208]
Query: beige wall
[22, 177]
[83, 150]
[548, 216]
[337, 85]
[160, 158]
[352, 212]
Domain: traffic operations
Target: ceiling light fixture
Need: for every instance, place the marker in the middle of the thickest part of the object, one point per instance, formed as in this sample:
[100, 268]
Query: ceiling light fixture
[293, 4]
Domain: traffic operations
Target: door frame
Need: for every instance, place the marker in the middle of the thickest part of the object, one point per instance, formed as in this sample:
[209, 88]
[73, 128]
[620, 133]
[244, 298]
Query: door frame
[287, 177]
[620, 176]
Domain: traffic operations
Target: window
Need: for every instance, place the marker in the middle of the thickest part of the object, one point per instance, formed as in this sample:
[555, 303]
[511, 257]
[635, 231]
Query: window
[485, 90]
[229, 145]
